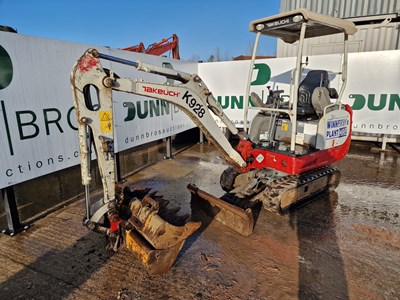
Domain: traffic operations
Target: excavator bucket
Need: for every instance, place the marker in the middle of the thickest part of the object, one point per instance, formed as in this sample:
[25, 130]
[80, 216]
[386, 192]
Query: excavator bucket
[154, 240]
[236, 216]
[156, 261]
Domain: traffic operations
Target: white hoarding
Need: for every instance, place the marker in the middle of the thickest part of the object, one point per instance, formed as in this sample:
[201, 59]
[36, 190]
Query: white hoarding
[374, 92]
[37, 120]
[140, 120]
[372, 89]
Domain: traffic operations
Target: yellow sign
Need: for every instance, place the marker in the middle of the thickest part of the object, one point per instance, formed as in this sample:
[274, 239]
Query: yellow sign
[105, 121]
[285, 127]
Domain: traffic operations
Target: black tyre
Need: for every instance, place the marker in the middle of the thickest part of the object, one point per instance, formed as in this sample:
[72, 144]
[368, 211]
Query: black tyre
[227, 179]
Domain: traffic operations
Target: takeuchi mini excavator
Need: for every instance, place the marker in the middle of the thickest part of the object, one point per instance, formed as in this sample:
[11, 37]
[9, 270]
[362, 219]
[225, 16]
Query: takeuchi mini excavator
[281, 161]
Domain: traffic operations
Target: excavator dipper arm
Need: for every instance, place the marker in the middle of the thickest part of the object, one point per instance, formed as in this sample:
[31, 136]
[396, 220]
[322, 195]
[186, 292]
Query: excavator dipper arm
[141, 227]
[192, 96]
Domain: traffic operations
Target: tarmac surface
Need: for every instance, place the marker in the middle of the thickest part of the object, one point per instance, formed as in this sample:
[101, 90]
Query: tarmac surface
[343, 245]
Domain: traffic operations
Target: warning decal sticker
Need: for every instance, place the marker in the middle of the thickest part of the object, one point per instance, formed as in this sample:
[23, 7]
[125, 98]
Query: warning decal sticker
[105, 121]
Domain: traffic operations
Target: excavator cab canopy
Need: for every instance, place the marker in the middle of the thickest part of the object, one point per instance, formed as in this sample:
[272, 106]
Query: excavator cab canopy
[293, 26]
[287, 26]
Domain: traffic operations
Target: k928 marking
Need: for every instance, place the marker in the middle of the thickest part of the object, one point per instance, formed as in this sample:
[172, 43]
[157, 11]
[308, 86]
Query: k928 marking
[197, 108]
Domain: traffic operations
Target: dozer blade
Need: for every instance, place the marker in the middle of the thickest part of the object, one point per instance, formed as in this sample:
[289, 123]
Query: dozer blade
[154, 240]
[239, 219]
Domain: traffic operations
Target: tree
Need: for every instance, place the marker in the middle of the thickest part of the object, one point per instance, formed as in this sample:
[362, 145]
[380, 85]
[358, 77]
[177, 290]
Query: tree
[217, 55]
[194, 58]
[250, 48]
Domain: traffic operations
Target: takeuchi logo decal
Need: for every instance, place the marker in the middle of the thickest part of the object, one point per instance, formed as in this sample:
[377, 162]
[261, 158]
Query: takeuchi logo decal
[6, 68]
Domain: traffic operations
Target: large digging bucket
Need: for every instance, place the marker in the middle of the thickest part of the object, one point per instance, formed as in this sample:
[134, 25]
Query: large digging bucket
[155, 241]
[240, 219]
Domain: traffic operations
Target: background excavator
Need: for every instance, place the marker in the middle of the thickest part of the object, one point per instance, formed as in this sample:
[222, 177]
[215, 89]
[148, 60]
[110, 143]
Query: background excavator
[282, 160]
[165, 45]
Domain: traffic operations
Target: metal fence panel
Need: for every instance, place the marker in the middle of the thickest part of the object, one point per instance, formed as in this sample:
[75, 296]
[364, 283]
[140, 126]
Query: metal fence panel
[344, 8]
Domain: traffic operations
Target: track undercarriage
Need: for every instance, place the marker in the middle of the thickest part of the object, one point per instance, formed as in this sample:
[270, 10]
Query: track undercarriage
[275, 191]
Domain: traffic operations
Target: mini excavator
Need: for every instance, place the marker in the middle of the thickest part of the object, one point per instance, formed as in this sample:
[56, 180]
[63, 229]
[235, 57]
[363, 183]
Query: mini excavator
[283, 159]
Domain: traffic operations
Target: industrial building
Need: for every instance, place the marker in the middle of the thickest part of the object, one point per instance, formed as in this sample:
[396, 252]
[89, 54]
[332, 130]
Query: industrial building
[377, 21]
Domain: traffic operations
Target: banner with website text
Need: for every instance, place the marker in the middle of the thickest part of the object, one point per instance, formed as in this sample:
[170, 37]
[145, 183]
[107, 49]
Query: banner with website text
[37, 119]
[372, 90]
[38, 130]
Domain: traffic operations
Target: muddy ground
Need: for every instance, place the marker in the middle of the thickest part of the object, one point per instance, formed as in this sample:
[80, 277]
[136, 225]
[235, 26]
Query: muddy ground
[343, 245]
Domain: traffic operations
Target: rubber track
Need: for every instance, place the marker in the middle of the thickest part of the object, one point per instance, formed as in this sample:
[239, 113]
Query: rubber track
[290, 185]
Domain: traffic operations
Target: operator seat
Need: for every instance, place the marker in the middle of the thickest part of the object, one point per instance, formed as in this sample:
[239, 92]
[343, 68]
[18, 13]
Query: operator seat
[313, 80]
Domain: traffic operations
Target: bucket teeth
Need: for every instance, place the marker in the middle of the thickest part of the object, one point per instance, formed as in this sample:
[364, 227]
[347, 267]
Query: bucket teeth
[169, 214]
[136, 192]
[162, 202]
[155, 233]
[153, 194]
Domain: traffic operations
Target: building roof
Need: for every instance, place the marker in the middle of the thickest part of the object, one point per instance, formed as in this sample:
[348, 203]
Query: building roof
[248, 57]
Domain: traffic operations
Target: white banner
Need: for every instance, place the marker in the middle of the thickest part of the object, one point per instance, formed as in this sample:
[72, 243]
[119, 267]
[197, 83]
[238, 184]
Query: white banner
[37, 120]
[373, 92]
[140, 120]
[372, 88]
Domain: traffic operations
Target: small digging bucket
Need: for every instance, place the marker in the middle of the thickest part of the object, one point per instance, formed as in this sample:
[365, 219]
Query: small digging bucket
[155, 241]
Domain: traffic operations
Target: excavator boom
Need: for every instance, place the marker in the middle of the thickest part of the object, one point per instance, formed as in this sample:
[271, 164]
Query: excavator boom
[137, 48]
[165, 45]
[170, 44]
[137, 220]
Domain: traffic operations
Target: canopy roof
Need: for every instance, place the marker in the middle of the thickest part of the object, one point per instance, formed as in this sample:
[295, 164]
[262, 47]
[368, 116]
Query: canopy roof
[286, 26]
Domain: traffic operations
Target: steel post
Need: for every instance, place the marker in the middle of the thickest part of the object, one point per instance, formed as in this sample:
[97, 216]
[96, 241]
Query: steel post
[13, 223]
[118, 177]
[201, 138]
[168, 150]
